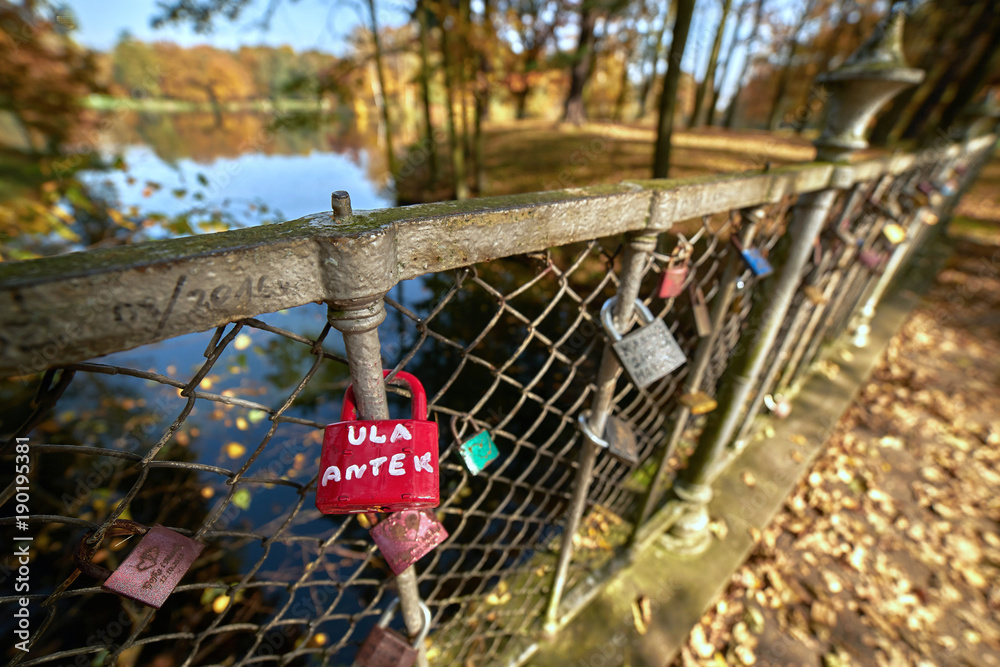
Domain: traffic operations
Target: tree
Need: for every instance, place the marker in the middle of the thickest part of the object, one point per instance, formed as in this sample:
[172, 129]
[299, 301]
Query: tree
[668, 96]
[740, 80]
[979, 38]
[581, 65]
[530, 27]
[779, 91]
[380, 71]
[43, 77]
[423, 23]
[654, 48]
[724, 65]
[708, 83]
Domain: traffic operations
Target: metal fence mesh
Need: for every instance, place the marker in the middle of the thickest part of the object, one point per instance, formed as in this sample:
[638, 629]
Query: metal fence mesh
[218, 435]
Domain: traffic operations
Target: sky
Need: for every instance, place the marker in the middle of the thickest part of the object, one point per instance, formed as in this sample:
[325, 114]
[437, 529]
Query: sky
[302, 24]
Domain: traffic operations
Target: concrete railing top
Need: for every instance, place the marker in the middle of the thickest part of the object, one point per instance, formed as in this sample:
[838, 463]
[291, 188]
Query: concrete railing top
[77, 306]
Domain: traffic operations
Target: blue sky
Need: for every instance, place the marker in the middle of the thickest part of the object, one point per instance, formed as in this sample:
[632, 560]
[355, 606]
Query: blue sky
[303, 24]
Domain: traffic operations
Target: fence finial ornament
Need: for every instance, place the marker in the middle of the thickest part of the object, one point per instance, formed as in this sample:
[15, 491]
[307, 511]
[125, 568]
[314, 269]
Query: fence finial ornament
[874, 74]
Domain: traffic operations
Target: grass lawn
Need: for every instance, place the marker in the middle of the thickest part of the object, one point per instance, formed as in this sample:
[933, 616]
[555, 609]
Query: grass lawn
[536, 155]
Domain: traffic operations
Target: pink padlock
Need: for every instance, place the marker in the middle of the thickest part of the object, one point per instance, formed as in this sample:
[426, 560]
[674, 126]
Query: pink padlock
[406, 537]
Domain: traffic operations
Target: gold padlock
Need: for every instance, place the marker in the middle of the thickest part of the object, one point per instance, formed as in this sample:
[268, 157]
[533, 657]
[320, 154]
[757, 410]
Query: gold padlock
[814, 294]
[894, 232]
[698, 402]
[928, 217]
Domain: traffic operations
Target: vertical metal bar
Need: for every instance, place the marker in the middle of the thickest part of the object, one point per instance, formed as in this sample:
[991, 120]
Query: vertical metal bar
[638, 248]
[359, 327]
[810, 215]
[833, 279]
[364, 359]
[696, 373]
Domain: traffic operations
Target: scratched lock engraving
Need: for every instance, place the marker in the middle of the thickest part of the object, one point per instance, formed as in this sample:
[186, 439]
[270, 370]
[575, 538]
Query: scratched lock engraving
[647, 353]
[406, 537]
[152, 571]
[478, 452]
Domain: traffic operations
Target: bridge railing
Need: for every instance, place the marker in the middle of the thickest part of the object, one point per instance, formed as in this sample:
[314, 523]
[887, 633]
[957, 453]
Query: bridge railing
[186, 382]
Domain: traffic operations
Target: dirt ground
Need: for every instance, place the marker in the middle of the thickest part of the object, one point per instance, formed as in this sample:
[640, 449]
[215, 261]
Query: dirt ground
[888, 553]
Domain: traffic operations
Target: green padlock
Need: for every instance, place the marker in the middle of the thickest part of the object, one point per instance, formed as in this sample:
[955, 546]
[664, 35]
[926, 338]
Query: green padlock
[478, 451]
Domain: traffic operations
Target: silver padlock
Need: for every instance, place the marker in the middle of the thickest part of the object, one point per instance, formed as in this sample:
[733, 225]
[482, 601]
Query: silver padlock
[618, 438]
[647, 353]
[387, 648]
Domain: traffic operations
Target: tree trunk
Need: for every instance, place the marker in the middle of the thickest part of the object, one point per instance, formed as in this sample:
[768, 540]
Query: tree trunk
[890, 119]
[724, 66]
[462, 29]
[425, 89]
[573, 108]
[654, 57]
[731, 109]
[972, 82]
[779, 92]
[622, 92]
[830, 50]
[377, 42]
[457, 149]
[708, 83]
[668, 96]
[956, 66]
[521, 102]
[482, 94]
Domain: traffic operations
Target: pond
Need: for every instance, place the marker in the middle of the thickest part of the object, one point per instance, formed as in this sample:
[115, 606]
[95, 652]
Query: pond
[255, 167]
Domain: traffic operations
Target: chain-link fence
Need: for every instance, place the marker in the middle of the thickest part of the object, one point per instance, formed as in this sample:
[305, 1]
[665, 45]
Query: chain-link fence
[218, 434]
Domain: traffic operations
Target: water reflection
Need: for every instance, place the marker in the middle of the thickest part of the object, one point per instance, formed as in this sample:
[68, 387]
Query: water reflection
[258, 167]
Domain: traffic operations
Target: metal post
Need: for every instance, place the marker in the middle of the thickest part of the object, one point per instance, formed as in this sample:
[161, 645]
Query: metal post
[833, 280]
[359, 326]
[696, 373]
[637, 251]
[868, 79]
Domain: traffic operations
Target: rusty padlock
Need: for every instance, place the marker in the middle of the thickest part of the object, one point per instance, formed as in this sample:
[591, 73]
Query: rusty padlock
[152, 570]
[698, 402]
[385, 647]
[407, 536]
[380, 465]
[702, 319]
[676, 273]
[618, 438]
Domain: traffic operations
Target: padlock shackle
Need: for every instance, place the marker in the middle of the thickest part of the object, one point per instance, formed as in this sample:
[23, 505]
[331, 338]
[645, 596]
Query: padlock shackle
[386, 617]
[608, 322]
[84, 551]
[588, 433]
[418, 406]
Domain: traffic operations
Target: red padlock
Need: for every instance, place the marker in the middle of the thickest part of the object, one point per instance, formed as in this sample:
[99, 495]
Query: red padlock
[678, 266]
[380, 465]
